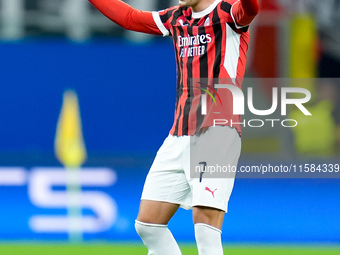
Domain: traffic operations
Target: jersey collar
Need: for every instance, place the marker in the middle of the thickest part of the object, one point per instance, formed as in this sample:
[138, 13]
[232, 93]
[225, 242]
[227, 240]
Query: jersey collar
[198, 15]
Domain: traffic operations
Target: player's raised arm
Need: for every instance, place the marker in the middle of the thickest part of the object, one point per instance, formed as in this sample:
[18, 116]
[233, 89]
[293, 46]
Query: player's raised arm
[127, 17]
[244, 11]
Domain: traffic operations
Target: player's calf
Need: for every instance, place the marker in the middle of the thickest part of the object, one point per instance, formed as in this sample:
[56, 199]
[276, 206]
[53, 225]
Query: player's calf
[208, 239]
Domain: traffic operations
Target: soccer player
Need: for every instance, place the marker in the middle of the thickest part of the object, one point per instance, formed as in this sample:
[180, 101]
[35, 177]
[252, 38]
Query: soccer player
[211, 40]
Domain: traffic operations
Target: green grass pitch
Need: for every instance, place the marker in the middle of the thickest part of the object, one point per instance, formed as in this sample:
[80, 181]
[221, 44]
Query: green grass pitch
[136, 249]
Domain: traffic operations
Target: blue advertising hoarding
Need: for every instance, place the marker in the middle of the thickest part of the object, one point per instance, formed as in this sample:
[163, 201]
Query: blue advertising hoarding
[34, 206]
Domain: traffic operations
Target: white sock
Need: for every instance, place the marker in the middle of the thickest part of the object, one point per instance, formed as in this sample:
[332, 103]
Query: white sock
[208, 239]
[157, 238]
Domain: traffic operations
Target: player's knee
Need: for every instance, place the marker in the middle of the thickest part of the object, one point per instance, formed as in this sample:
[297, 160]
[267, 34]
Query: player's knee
[157, 238]
[146, 230]
[141, 229]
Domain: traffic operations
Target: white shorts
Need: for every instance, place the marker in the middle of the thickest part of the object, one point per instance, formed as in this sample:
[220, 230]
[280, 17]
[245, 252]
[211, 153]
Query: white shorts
[171, 178]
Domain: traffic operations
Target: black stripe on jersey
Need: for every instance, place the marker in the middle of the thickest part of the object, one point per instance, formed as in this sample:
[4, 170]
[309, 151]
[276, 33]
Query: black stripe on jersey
[195, 22]
[179, 73]
[226, 7]
[165, 17]
[218, 44]
[203, 74]
[180, 77]
[178, 13]
[199, 117]
[187, 106]
[177, 121]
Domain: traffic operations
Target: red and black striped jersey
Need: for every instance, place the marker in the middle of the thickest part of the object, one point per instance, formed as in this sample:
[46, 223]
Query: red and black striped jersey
[208, 45]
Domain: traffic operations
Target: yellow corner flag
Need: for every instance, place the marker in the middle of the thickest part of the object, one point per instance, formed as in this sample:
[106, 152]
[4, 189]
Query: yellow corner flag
[71, 152]
[69, 143]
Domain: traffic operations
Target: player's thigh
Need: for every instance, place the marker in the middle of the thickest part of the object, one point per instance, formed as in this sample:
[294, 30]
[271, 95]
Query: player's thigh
[163, 193]
[156, 212]
[207, 215]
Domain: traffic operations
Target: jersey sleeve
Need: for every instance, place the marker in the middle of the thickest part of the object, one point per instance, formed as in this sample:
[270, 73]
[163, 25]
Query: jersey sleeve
[243, 12]
[128, 17]
[163, 20]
